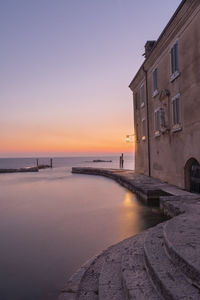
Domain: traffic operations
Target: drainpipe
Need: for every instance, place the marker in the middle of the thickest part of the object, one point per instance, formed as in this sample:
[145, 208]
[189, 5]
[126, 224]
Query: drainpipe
[147, 117]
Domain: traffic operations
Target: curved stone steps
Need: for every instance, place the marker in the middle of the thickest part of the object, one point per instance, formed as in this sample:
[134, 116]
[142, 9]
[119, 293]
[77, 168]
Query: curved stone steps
[110, 282]
[137, 268]
[71, 288]
[103, 279]
[89, 285]
[166, 277]
[182, 241]
[136, 282]
[141, 268]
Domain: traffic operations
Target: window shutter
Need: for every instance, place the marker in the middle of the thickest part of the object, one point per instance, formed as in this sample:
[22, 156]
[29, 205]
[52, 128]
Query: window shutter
[177, 110]
[172, 60]
[155, 79]
[135, 101]
[176, 114]
[157, 120]
[136, 132]
[143, 128]
[162, 117]
[174, 111]
[176, 56]
[142, 92]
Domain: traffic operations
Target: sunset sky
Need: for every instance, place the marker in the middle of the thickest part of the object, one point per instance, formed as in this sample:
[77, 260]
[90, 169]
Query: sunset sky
[65, 67]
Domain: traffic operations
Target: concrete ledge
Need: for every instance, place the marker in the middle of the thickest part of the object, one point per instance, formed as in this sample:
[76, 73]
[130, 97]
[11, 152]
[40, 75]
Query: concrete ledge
[148, 189]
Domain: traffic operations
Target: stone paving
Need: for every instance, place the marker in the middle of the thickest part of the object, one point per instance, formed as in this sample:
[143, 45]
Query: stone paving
[162, 262]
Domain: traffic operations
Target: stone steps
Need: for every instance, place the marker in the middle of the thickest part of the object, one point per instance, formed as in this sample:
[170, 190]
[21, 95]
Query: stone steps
[89, 284]
[110, 282]
[169, 281]
[183, 243]
[143, 267]
[136, 282]
[84, 283]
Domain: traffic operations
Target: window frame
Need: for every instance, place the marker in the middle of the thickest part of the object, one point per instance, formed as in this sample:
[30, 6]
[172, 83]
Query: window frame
[137, 138]
[143, 129]
[142, 95]
[176, 124]
[135, 101]
[155, 90]
[174, 61]
[157, 125]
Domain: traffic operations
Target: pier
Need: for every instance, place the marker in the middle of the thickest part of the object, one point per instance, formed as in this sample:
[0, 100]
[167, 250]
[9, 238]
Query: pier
[20, 170]
[28, 169]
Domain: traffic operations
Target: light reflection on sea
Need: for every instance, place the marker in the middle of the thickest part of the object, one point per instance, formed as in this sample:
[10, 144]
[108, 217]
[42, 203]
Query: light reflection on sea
[51, 222]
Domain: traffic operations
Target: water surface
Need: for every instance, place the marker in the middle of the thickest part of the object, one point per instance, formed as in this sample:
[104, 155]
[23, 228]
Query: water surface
[51, 222]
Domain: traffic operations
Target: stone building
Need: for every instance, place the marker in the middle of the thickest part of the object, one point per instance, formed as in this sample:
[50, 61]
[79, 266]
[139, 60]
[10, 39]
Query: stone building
[166, 93]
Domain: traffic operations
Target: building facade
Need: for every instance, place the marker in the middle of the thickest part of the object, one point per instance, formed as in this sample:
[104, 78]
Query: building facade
[166, 96]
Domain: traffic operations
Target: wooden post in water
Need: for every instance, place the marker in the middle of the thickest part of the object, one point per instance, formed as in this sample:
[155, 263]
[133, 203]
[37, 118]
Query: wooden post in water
[51, 163]
[37, 162]
[122, 160]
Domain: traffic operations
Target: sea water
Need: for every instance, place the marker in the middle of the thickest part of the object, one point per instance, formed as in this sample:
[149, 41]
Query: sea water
[52, 221]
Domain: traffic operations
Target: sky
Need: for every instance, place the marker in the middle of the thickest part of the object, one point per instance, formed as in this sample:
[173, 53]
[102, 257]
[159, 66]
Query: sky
[65, 67]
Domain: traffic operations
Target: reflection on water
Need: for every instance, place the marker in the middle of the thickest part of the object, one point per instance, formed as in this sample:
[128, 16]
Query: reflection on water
[135, 216]
[51, 222]
[129, 216]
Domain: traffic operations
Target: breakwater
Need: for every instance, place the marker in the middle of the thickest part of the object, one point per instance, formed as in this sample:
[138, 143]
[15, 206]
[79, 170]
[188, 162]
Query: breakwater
[161, 263]
[26, 169]
[20, 170]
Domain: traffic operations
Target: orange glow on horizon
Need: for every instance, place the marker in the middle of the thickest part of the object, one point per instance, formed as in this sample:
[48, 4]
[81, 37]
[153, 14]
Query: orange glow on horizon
[59, 141]
[62, 148]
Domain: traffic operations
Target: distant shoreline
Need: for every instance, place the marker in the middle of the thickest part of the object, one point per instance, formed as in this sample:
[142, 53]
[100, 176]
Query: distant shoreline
[98, 160]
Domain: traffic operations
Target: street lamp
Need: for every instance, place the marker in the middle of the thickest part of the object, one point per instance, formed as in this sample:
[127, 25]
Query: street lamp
[130, 138]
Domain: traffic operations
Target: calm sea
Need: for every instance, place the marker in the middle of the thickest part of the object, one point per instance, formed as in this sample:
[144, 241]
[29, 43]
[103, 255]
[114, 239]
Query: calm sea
[52, 221]
[68, 162]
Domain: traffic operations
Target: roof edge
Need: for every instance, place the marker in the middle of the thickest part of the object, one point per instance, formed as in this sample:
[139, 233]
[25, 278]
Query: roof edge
[159, 38]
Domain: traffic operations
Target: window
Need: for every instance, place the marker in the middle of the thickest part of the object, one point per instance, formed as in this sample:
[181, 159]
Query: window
[142, 95]
[176, 113]
[155, 82]
[162, 119]
[174, 61]
[157, 121]
[135, 101]
[143, 129]
[137, 133]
